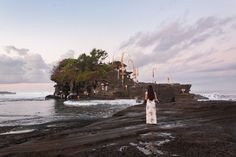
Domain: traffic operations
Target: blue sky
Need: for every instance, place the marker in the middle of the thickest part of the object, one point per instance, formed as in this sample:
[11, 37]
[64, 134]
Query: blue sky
[48, 30]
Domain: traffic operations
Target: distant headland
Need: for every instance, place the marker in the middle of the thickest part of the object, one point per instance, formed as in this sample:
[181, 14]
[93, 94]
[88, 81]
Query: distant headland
[6, 92]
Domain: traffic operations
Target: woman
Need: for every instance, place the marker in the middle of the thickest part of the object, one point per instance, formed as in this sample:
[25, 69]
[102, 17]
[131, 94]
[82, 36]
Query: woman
[150, 98]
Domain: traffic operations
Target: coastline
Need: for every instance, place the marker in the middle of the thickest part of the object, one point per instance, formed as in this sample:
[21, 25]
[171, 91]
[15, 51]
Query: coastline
[6, 92]
[184, 129]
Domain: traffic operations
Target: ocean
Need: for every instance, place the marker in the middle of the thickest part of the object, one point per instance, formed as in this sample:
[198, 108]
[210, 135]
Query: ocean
[218, 95]
[28, 108]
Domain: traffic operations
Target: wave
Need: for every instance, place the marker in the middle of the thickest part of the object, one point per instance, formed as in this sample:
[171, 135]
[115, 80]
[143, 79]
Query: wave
[218, 96]
[100, 102]
[24, 96]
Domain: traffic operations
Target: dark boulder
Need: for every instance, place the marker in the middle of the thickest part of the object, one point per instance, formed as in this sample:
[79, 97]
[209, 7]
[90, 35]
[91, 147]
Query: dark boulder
[52, 97]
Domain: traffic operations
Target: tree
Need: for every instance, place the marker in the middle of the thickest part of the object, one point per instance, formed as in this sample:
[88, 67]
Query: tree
[84, 69]
[65, 71]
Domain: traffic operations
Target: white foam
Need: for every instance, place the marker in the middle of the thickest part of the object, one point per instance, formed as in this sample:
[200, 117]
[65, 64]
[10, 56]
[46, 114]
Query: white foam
[218, 96]
[100, 102]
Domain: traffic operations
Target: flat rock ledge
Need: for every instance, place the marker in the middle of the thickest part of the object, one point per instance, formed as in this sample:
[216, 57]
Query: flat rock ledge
[187, 129]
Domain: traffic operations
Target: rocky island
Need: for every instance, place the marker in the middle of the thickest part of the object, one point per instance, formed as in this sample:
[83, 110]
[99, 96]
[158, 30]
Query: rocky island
[88, 77]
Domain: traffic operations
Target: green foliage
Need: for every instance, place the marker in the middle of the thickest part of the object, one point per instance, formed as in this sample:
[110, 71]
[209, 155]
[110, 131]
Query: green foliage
[104, 70]
[85, 68]
[65, 71]
[87, 75]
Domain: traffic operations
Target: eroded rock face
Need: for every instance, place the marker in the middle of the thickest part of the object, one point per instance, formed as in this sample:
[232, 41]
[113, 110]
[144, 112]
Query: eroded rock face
[165, 92]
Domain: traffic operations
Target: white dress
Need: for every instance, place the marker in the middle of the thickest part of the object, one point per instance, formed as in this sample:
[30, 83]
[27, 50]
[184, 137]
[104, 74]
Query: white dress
[151, 117]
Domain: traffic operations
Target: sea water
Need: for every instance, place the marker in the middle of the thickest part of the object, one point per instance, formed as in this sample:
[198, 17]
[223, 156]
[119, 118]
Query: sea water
[218, 95]
[28, 108]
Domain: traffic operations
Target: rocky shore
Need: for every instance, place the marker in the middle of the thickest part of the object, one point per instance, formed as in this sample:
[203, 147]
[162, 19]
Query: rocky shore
[185, 129]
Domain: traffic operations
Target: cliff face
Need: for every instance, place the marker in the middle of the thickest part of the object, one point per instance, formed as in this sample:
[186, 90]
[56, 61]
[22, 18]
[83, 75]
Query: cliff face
[165, 92]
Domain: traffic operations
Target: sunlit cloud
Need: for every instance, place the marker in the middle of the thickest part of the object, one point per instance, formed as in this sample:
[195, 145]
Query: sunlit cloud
[203, 50]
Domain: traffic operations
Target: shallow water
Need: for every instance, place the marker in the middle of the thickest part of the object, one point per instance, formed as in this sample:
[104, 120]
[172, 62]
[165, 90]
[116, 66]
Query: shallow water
[31, 108]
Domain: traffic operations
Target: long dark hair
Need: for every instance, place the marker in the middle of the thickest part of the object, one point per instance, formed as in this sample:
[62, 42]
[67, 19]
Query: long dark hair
[150, 93]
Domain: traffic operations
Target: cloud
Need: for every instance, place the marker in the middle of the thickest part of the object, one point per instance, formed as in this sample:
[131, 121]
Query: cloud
[25, 67]
[220, 68]
[36, 70]
[19, 65]
[68, 54]
[11, 70]
[20, 51]
[198, 51]
[170, 40]
[234, 26]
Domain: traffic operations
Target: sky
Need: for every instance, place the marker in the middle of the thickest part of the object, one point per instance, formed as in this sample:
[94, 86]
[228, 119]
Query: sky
[187, 41]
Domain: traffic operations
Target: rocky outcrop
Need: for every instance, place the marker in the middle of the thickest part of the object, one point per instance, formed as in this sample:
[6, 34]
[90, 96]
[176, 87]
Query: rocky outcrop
[165, 92]
[52, 97]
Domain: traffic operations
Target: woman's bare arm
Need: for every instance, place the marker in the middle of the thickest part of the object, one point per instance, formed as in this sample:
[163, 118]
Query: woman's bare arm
[156, 97]
[145, 96]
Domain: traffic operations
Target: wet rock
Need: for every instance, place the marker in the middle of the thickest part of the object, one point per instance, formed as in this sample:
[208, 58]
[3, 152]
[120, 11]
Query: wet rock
[52, 97]
[186, 129]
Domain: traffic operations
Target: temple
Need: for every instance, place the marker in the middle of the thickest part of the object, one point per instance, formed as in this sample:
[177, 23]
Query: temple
[120, 84]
